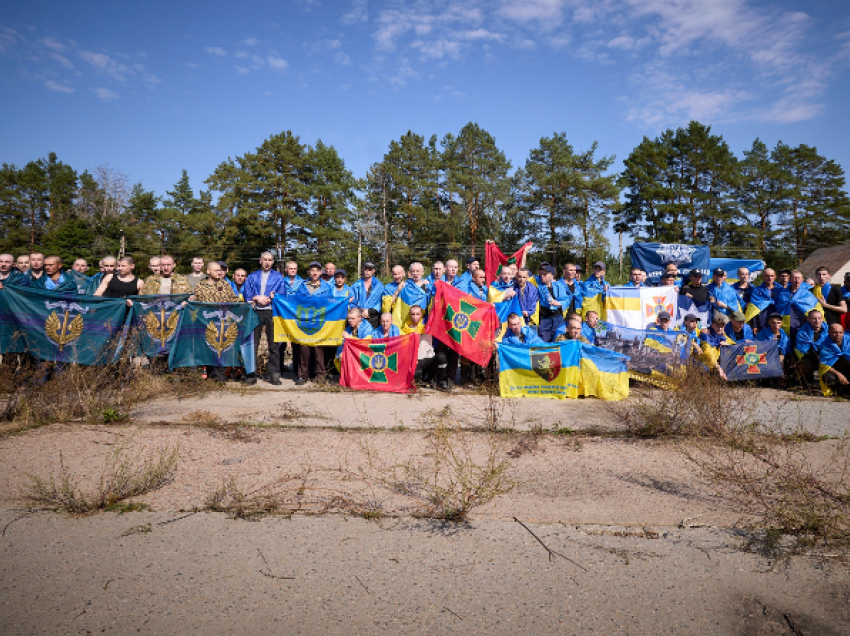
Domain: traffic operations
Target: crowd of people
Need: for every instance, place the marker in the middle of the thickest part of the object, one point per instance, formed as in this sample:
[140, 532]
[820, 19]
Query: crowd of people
[810, 331]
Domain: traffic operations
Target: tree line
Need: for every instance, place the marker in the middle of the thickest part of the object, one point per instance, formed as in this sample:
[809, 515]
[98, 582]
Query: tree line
[433, 198]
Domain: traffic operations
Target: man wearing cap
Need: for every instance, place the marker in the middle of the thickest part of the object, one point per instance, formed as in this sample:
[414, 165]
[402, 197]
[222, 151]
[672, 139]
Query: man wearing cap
[830, 296]
[259, 290]
[711, 340]
[810, 338]
[738, 329]
[367, 294]
[835, 361]
[551, 307]
[579, 273]
[535, 280]
[316, 287]
[695, 290]
[773, 331]
[722, 295]
[635, 277]
[341, 289]
[662, 322]
[784, 277]
[690, 326]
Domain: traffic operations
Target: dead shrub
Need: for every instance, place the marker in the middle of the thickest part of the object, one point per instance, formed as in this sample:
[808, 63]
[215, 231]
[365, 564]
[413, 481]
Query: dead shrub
[44, 393]
[449, 479]
[120, 479]
[795, 492]
[697, 405]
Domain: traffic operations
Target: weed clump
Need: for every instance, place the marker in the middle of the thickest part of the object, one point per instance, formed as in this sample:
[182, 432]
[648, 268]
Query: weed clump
[121, 478]
[448, 480]
[697, 405]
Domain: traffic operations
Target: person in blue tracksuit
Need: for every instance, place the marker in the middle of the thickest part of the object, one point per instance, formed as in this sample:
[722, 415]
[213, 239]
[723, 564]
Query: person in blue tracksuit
[519, 333]
[472, 263]
[551, 306]
[259, 290]
[367, 294]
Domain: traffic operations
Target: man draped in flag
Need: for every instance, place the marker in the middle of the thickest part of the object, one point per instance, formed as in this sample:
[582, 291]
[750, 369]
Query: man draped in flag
[737, 328]
[367, 293]
[438, 272]
[796, 305]
[762, 301]
[520, 333]
[711, 342]
[594, 290]
[724, 298]
[316, 287]
[529, 297]
[807, 345]
[572, 290]
[830, 296]
[835, 362]
[774, 331]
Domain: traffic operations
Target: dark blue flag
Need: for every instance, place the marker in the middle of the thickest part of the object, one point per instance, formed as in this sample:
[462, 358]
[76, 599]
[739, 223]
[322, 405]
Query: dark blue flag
[751, 360]
[62, 327]
[652, 257]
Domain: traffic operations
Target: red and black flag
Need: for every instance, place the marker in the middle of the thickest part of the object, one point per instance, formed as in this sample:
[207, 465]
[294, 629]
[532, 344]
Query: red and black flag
[463, 323]
[386, 364]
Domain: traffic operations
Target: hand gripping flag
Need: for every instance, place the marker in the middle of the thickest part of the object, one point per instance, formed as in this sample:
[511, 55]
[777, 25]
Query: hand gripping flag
[386, 364]
[463, 323]
[62, 327]
[494, 259]
[154, 320]
[309, 320]
[751, 360]
[216, 335]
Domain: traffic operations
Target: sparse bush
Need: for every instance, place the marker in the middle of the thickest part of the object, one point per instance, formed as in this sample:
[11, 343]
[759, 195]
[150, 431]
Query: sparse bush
[449, 479]
[697, 405]
[120, 479]
[47, 393]
[797, 499]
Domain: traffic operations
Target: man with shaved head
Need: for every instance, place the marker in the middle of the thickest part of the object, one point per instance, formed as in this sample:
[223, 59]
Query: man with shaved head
[8, 274]
[835, 360]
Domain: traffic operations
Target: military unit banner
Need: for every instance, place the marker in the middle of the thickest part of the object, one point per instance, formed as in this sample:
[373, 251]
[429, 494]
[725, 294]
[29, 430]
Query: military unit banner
[751, 360]
[562, 370]
[155, 319]
[386, 364]
[216, 335]
[653, 356]
[309, 320]
[463, 323]
[653, 257]
[61, 327]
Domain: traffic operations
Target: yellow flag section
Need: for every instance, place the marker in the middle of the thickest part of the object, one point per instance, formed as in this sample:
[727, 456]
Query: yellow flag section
[562, 370]
[309, 320]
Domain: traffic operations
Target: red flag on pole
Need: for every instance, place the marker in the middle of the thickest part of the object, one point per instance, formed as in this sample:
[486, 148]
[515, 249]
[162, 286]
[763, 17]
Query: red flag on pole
[463, 323]
[385, 364]
[494, 258]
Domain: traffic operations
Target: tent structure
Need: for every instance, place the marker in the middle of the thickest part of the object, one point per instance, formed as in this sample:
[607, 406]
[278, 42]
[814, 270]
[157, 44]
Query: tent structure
[836, 258]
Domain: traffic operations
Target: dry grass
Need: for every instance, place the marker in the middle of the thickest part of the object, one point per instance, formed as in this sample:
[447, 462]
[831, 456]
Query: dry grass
[35, 395]
[448, 480]
[699, 405]
[121, 478]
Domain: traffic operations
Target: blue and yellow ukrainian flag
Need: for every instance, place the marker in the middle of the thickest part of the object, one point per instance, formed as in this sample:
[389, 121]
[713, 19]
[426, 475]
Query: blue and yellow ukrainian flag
[409, 295]
[504, 309]
[604, 373]
[594, 298]
[309, 320]
[551, 371]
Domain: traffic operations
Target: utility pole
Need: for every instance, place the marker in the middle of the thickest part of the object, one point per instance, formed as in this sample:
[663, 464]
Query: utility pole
[621, 255]
[123, 247]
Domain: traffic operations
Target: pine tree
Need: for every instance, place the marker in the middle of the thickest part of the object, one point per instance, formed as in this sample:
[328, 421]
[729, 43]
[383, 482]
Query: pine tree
[331, 189]
[476, 172]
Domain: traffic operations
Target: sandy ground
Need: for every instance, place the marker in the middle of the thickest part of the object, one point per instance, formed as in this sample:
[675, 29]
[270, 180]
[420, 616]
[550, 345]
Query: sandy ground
[650, 546]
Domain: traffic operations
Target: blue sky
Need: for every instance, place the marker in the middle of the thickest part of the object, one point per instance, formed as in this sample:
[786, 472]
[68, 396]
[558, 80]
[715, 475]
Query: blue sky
[152, 88]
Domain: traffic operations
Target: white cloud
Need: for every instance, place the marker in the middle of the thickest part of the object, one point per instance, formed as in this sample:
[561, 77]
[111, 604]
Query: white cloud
[480, 34]
[277, 63]
[104, 63]
[438, 49]
[342, 58]
[241, 55]
[215, 50]
[544, 11]
[52, 43]
[8, 38]
[64, 61]
[242, 70]
[105, 94]
[357, 13]
[59, 88]
[250, 42]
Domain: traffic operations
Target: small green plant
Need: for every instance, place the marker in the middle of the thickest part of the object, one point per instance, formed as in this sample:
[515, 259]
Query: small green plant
[112, 415]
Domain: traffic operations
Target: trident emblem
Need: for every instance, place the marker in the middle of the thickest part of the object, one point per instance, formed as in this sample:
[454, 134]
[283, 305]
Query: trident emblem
[221, 339]
[64, 331]
[161, 328]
